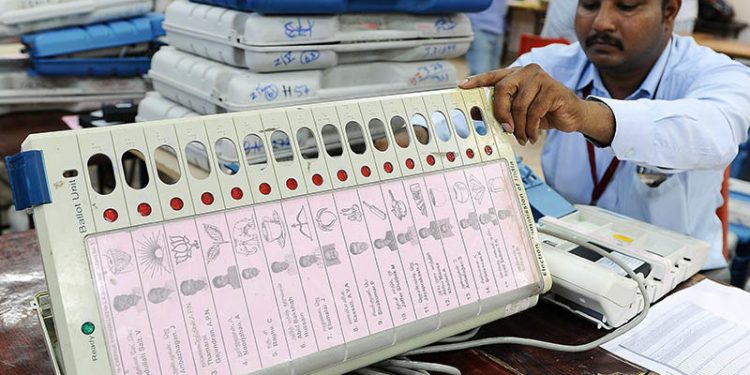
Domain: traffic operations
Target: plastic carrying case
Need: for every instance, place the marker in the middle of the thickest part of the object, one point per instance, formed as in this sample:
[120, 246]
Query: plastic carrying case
[58, 52]
[284, 43]
[352, 6]
[155, 107]
[21, 17]
[21, 92]
[208, 87]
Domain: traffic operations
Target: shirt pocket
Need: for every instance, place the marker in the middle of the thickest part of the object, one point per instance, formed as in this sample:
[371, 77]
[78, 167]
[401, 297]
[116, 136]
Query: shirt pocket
[664, 205]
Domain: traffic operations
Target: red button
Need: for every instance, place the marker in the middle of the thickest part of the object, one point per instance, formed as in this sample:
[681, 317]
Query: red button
[110, 215]
[488, 150]
[470, 153]
[430, 160]
[342, 176]
[176, 204]
[451, 156]
[366, 171]
[207, 198]
[237, 193]
[317, 179]
[291, 184]
[410, 163]
[388, 167]
[265, 188]
[144, 209]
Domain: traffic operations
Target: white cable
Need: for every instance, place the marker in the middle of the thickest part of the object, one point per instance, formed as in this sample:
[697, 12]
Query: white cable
[405, 371]
[461, 337]
[416, 365]
[553, 346]
[406, 366]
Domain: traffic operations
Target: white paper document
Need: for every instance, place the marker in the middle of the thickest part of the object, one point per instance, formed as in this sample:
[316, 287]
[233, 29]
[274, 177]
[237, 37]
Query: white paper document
[702, 330]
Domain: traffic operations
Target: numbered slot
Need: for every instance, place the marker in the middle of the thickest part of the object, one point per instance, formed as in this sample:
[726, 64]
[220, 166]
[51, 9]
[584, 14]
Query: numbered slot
[307, 139]
[481, 122]
[329, 128]
[462, 129]
[228, 157]
[200, 164]
[358, 143]
[141, 196]
[403, 136]
[170, 180]
[444, 136]
[424, 134]
[261, 176]
[286, 157]
[102, 173]
[382, 141]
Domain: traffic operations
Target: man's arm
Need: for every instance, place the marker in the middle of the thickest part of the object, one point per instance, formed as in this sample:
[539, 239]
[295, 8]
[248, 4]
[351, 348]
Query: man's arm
[700, 131]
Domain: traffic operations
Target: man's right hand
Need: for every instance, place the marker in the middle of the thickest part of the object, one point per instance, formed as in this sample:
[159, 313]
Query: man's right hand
[528, 99]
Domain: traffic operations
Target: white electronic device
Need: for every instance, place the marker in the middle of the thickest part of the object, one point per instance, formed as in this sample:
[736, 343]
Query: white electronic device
[20, 92]
[275, 43]
[318, 256]
[21, 17]
[209, 87]
[591, 286]
[595, 287]
[154, 107]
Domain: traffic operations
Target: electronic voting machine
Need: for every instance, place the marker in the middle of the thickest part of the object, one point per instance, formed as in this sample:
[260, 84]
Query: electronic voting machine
[317, 239]
[591, 285]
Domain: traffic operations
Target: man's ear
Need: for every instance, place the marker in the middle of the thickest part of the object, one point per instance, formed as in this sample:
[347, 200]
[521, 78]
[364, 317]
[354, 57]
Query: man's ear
[671, 9]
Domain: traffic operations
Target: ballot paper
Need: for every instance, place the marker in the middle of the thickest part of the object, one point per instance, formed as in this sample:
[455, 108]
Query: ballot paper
[702, 330]
[249, 288]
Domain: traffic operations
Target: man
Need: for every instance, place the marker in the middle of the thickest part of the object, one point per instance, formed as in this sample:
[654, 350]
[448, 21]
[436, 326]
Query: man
[559, 21]
[662, 114]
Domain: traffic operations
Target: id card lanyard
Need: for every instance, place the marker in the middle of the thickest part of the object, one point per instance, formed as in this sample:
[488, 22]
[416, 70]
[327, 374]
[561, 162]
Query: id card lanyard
[601, 185]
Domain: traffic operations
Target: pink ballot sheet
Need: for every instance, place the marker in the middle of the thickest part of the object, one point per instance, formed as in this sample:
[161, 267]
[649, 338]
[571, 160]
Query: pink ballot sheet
[249, 288]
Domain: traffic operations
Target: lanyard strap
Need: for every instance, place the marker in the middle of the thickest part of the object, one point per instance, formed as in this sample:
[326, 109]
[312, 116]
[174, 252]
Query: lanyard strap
[599, 185]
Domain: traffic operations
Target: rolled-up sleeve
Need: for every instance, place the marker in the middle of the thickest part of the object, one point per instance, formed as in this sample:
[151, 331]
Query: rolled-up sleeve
[701, 130]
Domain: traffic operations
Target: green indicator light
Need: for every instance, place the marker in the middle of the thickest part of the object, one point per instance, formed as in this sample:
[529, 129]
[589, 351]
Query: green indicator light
[87, 328]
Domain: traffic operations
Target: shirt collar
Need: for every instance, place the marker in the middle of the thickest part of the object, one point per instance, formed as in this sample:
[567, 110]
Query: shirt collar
[590, 76]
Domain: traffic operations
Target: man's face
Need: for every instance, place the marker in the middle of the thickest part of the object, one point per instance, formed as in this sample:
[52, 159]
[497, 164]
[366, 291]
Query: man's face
[624, 35]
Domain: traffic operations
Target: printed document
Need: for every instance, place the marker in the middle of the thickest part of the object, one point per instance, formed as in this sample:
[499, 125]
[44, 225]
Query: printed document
[702, 330]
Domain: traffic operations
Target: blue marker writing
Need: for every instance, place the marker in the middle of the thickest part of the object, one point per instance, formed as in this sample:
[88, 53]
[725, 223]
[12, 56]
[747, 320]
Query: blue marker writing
[285, 59]
[307, 57]
[445, 24]
[299, 28]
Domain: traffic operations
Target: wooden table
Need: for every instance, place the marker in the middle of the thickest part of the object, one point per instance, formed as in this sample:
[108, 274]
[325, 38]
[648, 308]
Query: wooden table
[22, 349]
[726, 29]
[729, 47]
[537, 7]
[14, 128]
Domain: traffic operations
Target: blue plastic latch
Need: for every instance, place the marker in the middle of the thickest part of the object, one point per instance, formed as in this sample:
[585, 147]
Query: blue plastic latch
[28, 179]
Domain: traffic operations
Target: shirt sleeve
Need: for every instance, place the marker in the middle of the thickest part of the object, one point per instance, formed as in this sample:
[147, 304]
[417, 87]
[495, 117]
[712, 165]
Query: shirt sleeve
[701, 130]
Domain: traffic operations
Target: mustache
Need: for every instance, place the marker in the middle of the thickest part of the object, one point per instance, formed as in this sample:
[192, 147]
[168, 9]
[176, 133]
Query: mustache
[604, 38]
